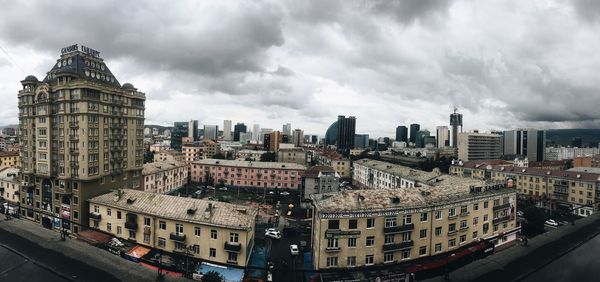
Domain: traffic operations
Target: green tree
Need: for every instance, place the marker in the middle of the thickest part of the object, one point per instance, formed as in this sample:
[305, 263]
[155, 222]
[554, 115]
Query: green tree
[268, 157]
[212, 276]
[218, 156]
[534, 221]
[148, 157]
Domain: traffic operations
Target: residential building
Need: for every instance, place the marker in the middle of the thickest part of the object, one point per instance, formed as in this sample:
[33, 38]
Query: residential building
[169, 156]
[266, 175]
[272, 140]
[346, 129]
[82, 134]
[180, 130]
[211, 132]
[298, 138]
[588, 161]
[227, 130]
[193, 132]
[414, 128]
[204, 149]
[263, 132]
[331, 158]
[530, 143]
[402, 133]
[442, 136]
[245, 137]
[565, 153]
[479, 146]
[361, 141]
[164, 177]
[254, 155]
[396, 226]
[237, 129]
[569, 191]
[9, 159]
[159, 147]
[10, 186]
[319, 179]
[214, 231]
[292, 155]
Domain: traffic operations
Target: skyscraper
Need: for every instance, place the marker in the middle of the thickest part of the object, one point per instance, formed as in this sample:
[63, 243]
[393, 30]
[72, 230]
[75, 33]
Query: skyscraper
[443, 136]
[239, 127]
[287, 129]
[361, 141]
[227, 130]
[479, 146]
[414, 128]
[211, 132]
[401, 133]
[530, 143]
[180, 130]
[420, 138]
[345, 133]
[193, 130]
[298, 137]
[456, 120]
[81, 136]
[256, 132]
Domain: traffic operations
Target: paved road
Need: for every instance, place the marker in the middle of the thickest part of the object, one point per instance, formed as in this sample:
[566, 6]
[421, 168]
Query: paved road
[23, 260]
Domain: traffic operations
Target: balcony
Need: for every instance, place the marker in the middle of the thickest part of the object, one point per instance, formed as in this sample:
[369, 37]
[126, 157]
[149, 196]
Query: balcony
[398, 229]
[332, 233]
[454, 216]
[501, 219]
[74, 138]
[95, 216]
[132, 225]
[501, 207]
[332, 249]
[74, 124]
[63, 190]
[74, 151]
[453, 232]
[178, 237]
[233, 247]
[463, 214]
[398, 246]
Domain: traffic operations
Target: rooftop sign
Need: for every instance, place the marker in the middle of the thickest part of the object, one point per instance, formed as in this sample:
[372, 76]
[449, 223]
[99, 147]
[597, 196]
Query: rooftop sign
[83, 49]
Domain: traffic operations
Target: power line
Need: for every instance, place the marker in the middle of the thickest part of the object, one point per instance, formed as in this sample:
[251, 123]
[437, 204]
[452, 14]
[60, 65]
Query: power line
[12, 61]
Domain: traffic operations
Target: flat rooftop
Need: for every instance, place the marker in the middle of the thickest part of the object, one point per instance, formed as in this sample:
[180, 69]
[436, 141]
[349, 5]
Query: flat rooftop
[155, 167]
[250, 164]
[177, 208]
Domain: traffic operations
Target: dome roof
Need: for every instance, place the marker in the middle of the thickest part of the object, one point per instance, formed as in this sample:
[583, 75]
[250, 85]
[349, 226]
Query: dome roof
[30, 78]
[128, 86]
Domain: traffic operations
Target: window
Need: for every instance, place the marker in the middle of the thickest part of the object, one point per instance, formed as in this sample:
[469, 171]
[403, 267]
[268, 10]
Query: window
[438, 231]
[485, 204]
[351, 261]
[332, 243]
[368, 259]
[406, 254]
[370, 241]
[476, 206]
[451, 227]
[389, 239]
[423, 216]
[388, 257]
[407, 219]
[213, 234]
[370, 223]
[234, 237]
[485, 218]
[452, 212]
[451, 243]
[96, 209]
[406, 236]
[332, 261]
[212, 252]
[423, 233]
[232, 257]
[197, 231]
[438, 215]
[333, 224]
[146, 238]
[351, 242]
[486, 228]
[118, 215]
[390, 221]
[475, 220]
[463, 224]
[146, 221]
[132, 234]
[422, 250]
[196, 249]
[438, 247]
[464, 210]
[463, 238]
[352, 224]
[161, 242]
[119, 230]
[108, 227]
[474, 235]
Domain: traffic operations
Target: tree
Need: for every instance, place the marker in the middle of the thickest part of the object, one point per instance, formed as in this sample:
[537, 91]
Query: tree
[248, 159]
[268, 157]
[535, 219]
[212, 276]
[148, 157]
[218, 156]
[376, 156]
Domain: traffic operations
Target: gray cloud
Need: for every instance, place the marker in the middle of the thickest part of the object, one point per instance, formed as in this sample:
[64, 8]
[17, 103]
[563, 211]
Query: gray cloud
[588, 9]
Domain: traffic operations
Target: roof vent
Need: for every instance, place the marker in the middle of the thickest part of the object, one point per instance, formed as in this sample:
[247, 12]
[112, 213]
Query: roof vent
[395, 200]
[191, 211]
[130, 201]
[242, 210]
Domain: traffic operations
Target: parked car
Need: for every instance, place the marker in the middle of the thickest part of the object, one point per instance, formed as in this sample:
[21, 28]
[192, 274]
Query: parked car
[294, 249]
[271, 192]
[223, 188]
[273, 234]
[210, 188]
[284, 193]
[551, 222]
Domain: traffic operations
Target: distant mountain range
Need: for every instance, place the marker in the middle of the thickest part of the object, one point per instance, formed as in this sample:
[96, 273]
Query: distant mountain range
[589, 137]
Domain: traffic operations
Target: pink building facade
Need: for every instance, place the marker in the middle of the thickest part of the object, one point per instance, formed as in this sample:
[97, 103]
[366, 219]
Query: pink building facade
[269, 175]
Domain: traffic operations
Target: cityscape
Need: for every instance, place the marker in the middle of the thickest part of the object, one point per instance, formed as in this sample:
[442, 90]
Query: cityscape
[232, 161]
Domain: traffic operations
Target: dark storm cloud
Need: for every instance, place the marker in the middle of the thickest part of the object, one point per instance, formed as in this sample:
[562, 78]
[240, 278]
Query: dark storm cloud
[409, 11]
[588, 9]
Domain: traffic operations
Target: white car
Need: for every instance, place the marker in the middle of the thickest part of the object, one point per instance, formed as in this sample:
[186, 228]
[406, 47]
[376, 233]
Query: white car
[273, 234]
[294, 249]
[551, 222]
[210, 188]
[284, 193]
[271, 192]
[223, 189]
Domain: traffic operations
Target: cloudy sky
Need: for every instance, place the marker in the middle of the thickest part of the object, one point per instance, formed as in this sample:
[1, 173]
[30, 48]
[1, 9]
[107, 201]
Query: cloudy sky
[504, 64]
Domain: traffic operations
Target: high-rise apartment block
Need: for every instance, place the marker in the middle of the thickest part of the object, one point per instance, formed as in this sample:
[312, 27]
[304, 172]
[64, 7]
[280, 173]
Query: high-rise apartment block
[81, 136]
[479, 146]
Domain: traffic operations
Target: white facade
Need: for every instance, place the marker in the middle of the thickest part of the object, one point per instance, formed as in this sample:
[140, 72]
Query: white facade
[442, 136]
[564, 153]
[298, 138]
[227, 130]
[256, 131]
[377, 179]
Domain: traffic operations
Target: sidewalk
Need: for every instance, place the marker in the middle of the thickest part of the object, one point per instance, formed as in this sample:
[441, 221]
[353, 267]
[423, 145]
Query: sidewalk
[518, 262]
[122, 269]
